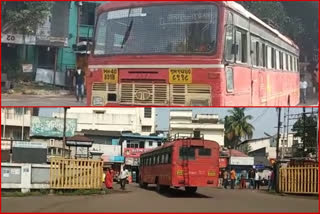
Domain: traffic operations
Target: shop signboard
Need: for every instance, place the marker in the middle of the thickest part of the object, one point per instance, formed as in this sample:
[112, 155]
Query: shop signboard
[223, 163]
[112, 159]
[52, 127]
[132, 161]
[134, 152]
[241, 161]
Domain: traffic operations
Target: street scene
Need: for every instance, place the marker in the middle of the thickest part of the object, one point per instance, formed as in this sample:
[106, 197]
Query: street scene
[95, 53]
[159, 160]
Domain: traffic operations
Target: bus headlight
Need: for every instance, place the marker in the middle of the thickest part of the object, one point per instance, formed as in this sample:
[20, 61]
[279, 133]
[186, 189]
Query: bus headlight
[97, 101]
[230, 79]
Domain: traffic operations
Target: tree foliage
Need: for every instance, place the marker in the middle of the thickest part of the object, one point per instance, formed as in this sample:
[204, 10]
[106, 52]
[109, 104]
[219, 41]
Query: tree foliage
[298, 20]
[307, 131]
[24, 17]
[237, 127]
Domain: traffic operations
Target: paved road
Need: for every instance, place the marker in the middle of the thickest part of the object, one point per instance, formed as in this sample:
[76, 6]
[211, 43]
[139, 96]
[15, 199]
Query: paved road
[31, 100]
[147, 200]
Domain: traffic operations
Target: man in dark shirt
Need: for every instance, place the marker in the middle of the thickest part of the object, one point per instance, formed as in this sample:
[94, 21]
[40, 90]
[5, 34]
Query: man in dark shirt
[79, 76]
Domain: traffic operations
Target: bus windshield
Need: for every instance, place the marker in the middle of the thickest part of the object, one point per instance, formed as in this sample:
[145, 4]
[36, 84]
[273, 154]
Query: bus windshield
[168, 29]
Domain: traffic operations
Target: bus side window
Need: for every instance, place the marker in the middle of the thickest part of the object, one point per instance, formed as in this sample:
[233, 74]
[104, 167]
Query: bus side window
[263, 56]
[281, 60]
[241, 42]
[269, 57]
[204, 152]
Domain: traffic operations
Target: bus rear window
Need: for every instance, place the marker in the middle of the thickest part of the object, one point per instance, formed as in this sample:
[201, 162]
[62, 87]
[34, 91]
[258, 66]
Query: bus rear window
[186, 153]
[204, 152]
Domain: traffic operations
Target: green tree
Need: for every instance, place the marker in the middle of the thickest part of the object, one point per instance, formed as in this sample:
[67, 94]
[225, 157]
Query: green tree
[24, 17]
[307, 131]
[299, 20]
[237, 127]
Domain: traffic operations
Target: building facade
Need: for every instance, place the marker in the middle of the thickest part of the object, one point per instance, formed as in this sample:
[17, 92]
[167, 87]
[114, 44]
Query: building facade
[16, 122]
[135, 120]
[57, 47]
[183, 123]
[267, 146]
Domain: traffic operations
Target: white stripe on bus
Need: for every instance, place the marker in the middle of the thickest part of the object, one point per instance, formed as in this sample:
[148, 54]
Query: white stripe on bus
[157, 66]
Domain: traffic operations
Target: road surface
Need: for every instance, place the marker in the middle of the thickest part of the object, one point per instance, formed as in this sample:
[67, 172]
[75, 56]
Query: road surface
[34, 100]
[176, 200]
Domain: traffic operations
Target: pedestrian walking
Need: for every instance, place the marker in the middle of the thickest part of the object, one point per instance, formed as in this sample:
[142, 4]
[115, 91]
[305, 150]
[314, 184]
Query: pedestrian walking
[252, 175]
[109, 179]
[79, 76]
[271, 180]
[124, 178]
[221, 177]
[257, 180]
[304, 87]
[243, 179]
[225, 179]
[233, 178]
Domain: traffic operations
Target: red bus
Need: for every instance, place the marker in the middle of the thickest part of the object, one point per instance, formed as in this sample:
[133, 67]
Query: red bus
[175, 53]
[188, 163]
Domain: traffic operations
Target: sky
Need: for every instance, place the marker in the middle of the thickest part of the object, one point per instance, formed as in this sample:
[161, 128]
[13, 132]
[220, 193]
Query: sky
[265, 120]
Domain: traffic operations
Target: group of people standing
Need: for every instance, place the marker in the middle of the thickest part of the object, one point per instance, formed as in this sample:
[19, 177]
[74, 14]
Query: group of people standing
[253, 176]
[109, 176]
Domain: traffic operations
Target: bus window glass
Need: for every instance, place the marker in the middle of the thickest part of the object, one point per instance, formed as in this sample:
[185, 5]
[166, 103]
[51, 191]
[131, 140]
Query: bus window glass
[187, 153]
[229, 55]
[277, 60]
[269, 57]
[258, 54]
[263, 56]
[166, 158]
[281, 60]
[162, 29]
[204, 152]
[253, 53]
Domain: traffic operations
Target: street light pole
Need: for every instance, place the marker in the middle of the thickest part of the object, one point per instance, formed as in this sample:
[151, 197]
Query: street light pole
[64, 131]
[278, 135]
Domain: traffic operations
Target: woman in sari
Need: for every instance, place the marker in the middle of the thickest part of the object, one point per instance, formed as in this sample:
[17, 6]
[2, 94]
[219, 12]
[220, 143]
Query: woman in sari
[109, 179]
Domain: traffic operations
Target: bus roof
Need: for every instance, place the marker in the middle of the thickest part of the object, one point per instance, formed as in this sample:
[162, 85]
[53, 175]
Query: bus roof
[229, 4]
[166, 145]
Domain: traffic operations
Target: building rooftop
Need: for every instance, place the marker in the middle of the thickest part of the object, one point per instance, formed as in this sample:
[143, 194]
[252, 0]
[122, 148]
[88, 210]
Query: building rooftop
[101, 133]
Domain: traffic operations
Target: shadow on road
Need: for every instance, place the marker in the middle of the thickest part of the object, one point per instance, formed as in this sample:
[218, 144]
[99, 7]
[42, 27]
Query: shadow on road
[178, 193]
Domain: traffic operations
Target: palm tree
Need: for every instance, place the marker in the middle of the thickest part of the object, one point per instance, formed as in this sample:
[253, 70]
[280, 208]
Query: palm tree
[237, 127]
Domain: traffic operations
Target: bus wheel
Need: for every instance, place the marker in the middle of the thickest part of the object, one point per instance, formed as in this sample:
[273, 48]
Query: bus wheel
[142, 184]
[191, 189]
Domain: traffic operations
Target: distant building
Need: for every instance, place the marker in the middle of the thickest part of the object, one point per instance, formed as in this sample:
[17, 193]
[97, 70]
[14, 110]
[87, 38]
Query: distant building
[183, 123]
[135, 120]
[15, 122]
[267, 146]
[49, 131]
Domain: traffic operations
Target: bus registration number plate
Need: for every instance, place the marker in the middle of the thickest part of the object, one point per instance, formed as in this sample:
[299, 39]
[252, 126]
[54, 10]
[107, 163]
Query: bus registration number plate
[110, 75]
[211, 173]
[180, 76]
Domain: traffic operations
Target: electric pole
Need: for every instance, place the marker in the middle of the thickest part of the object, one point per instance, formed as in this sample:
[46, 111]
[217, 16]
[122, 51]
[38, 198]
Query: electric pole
[304, 132]
[64, 131]
[278, 135]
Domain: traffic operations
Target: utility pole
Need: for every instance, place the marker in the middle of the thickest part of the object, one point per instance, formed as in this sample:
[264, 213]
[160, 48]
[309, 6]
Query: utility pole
[4, 122]
[22, 131]
[64, 131]
[304, 132]
[283, 136]
[278, 135]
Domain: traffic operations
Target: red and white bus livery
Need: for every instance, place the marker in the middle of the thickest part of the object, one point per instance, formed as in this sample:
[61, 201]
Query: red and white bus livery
[188, 163]
[171, 53]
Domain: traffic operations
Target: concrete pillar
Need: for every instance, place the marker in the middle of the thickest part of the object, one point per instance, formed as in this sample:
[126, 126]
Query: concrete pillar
[26, 178]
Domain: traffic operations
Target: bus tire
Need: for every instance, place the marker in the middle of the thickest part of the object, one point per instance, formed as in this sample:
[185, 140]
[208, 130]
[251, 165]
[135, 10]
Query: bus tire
[142, 184]
[191, 189]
